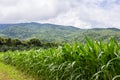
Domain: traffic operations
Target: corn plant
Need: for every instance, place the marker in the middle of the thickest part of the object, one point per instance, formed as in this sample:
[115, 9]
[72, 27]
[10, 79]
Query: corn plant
[92, 60]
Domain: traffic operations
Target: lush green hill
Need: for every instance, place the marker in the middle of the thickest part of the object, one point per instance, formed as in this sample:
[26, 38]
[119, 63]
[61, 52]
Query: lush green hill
[55, 33]
[103, 34]
[46, 32]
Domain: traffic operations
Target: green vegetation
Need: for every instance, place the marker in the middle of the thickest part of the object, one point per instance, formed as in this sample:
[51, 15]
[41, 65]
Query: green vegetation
[44, 32]
[16, 44]
[8, 72]
[100, 34]
[38, 51]
[56, 33]
[92, 60]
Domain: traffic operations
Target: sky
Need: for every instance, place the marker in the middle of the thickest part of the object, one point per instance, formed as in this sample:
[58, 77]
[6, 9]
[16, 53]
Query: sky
[79, 13]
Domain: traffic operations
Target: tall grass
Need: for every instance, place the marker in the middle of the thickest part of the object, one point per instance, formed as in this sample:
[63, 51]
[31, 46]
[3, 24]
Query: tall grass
[93, 60]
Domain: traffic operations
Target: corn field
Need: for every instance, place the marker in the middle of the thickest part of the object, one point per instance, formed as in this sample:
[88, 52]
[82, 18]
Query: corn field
[92, 60]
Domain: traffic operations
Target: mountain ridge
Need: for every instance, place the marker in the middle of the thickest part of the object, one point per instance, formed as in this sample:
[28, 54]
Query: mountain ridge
[52, 32]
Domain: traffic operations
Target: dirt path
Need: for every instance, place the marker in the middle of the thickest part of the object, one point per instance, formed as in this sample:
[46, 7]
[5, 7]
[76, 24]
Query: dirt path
[4, 76]
[8, 72]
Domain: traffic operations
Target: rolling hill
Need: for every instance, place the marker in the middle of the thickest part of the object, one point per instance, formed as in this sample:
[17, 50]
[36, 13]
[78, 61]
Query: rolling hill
[58, 33]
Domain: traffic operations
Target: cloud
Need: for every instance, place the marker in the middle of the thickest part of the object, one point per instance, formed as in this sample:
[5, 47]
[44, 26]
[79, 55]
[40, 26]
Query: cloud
[29, 10]
[79, 13]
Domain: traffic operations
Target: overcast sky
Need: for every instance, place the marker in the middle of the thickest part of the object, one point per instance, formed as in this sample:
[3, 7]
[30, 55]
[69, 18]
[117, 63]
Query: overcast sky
[79, 13]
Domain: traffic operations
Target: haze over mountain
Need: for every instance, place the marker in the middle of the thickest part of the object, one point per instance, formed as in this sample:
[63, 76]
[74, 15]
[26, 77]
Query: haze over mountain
[57, 33]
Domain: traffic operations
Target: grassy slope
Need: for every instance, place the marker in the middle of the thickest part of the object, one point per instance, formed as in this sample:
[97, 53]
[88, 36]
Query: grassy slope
[8, 72]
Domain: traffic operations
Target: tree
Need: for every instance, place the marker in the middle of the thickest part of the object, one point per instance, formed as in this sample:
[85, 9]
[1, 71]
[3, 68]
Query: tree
[35, 42]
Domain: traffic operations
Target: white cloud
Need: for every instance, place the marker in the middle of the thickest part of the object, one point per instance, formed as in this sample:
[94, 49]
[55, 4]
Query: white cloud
[80, 13]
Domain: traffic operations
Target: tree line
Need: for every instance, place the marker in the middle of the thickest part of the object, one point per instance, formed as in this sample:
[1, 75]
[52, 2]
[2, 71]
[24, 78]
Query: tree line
[16, 44]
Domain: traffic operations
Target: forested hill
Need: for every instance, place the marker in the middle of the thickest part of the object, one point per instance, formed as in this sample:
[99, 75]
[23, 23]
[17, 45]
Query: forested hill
[55, 33]
[45, 32]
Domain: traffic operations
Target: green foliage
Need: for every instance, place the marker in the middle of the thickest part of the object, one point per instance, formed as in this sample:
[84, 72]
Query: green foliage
[92, 60]
[45, 32]
[16, 44]
[34, 42]
[56, 33]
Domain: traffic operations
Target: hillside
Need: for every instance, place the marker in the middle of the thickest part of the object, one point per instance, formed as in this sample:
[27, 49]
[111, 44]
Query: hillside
[45, 32]
[51, 32]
